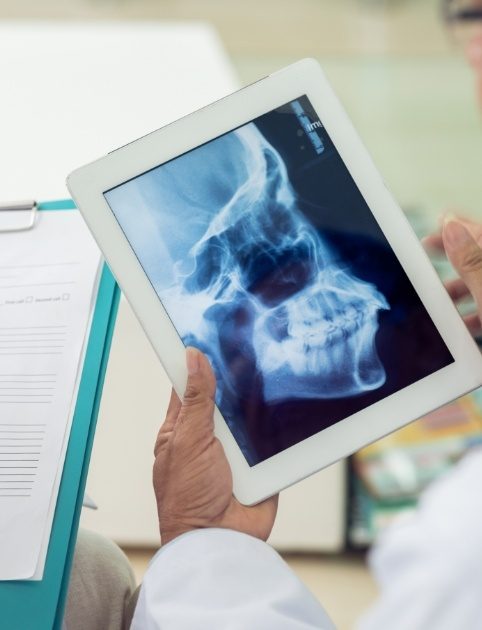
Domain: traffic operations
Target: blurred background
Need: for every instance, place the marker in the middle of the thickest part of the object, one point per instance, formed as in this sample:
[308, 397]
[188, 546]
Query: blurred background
[392, 62]
[133, 65]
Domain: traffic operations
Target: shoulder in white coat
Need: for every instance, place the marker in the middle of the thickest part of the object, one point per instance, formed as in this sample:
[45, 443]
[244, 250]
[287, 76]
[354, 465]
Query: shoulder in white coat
[217, 579]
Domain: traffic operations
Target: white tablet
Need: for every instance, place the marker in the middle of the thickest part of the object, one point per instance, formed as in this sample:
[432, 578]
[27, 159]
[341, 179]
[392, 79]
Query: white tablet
[258, 230]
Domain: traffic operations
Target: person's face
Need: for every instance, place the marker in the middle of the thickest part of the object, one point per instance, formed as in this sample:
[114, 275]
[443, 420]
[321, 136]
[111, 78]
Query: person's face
[465, 21]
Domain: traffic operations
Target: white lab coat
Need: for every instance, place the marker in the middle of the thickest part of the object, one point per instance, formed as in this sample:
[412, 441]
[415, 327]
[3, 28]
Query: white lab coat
[429, 566]
[217, 579]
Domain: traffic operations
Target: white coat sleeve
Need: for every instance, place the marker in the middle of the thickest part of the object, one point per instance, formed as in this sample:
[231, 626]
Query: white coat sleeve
[217, 579]
[429, 566]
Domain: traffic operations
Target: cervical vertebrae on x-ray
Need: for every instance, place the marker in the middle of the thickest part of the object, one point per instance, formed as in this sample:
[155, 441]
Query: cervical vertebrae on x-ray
[309, 322]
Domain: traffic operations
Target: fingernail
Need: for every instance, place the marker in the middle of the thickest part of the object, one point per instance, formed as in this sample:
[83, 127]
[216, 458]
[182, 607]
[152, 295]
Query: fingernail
[192, 361]
[457, 234]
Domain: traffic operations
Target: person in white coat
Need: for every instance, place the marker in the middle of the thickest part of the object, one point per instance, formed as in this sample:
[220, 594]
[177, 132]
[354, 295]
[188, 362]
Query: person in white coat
[217, 572]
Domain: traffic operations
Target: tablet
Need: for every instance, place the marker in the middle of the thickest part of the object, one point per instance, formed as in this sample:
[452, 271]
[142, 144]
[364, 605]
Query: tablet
[258, 230]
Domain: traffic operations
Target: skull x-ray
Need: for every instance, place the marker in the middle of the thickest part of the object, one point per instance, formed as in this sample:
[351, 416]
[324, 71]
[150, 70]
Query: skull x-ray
[267, 258]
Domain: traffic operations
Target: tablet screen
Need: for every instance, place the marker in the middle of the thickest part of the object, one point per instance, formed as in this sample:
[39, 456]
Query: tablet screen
[267, 258]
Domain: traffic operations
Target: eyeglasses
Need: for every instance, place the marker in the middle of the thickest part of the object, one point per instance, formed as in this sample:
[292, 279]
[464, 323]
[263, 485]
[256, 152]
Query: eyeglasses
[464, 19]
[462, 11]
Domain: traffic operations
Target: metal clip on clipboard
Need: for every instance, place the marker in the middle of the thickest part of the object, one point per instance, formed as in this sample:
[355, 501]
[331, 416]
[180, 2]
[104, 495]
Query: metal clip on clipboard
[29, 206]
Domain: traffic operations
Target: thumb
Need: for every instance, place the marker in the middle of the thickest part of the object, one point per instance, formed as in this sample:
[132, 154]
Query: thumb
[198, 400]
[465, 255]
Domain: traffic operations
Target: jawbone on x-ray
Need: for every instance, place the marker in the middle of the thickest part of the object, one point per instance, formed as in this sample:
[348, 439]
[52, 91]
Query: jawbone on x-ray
[255, 281]
[311, 323]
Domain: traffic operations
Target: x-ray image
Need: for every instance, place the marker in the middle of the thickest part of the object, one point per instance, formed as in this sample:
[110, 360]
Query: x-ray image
[267, 258]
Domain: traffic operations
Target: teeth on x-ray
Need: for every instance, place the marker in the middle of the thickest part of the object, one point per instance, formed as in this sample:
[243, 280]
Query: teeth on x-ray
[256, 259]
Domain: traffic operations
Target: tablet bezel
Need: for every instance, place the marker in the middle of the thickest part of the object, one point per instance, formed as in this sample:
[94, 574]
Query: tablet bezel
[89, 183]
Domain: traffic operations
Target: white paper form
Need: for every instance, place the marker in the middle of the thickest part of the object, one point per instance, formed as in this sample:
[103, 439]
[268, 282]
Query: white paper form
[48, 278]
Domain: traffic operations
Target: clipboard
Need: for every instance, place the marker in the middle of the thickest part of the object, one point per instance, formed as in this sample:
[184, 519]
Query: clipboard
[39, 605]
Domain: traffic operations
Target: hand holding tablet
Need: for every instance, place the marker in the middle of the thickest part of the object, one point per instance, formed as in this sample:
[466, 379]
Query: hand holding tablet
[192, 480]
[259, 231]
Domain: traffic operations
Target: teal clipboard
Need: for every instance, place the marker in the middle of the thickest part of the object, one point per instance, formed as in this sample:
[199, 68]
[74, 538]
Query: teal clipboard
[26, 605]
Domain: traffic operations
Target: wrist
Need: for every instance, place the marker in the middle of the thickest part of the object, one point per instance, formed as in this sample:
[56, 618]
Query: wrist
[170, 532]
